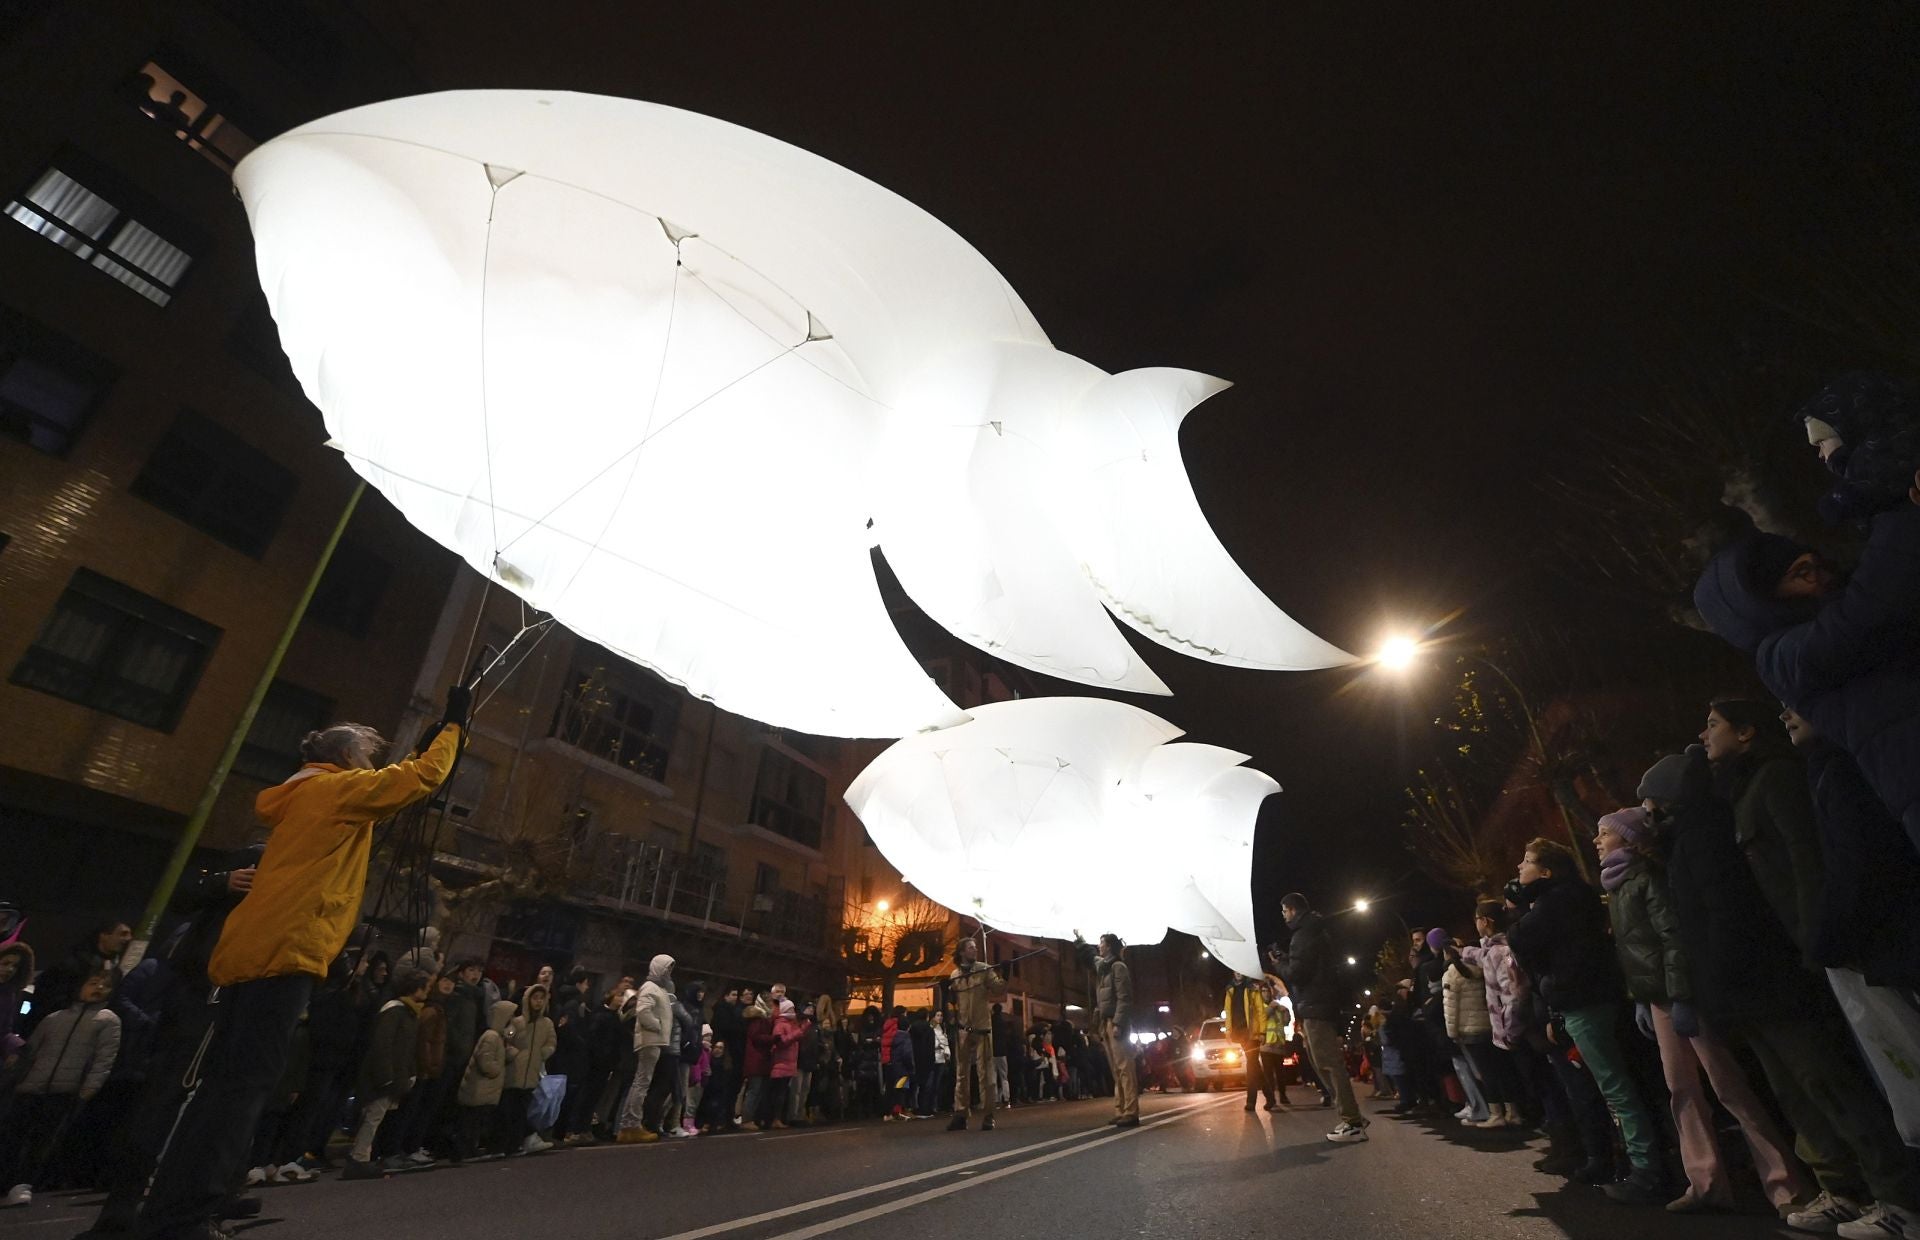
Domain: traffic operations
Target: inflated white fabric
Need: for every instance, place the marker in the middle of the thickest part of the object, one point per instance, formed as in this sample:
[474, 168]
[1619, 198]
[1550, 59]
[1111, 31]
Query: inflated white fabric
[1057, 816]
[671, 380]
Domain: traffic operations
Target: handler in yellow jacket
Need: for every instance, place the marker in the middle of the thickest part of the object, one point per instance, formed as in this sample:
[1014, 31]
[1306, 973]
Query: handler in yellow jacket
[305, 899]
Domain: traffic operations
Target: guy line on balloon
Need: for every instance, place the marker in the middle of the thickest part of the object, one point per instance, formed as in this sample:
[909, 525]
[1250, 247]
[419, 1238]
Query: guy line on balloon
[501, 301]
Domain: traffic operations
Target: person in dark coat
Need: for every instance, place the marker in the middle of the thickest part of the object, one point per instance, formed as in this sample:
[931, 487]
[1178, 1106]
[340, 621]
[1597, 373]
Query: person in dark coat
[1313, 979]
[1756, 771]
[1868, 934]
[1749, 978]
[572, 1004]
[729, 1032]
[925, 1071]
[176, 997]
[1846, 657]
[1560, 937]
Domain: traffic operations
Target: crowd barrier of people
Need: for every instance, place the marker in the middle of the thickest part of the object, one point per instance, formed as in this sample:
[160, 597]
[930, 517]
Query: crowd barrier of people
[1749, 962]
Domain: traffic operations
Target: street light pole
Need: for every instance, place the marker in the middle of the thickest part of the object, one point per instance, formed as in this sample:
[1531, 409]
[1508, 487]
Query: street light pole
[210, 794]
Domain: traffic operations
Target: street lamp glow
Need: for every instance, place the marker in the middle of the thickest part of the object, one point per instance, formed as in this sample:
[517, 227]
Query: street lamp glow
[1165, 1008]
[1205, 956]
[1361, 906]
[1351, 960]
[1397, 653]
[882, 906]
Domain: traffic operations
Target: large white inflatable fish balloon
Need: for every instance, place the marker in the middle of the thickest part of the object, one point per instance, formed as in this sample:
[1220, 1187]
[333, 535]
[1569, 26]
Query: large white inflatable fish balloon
[671, 380]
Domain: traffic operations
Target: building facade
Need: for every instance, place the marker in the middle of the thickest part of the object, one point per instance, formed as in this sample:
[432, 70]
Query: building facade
[165, 492]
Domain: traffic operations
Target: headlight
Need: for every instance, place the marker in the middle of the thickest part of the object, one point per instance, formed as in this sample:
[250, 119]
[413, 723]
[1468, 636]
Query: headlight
[1197, 1055]
[1231, 1057]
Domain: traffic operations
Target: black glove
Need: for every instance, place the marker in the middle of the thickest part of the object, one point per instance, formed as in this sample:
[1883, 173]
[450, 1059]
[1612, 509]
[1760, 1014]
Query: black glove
[459, 706]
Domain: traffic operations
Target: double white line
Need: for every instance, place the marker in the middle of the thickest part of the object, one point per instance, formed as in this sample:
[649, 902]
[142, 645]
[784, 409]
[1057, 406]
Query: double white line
[872, 1212]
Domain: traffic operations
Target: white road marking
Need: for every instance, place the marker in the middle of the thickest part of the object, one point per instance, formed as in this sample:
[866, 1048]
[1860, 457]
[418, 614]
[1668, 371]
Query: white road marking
[802, 1207]
[873, 1212]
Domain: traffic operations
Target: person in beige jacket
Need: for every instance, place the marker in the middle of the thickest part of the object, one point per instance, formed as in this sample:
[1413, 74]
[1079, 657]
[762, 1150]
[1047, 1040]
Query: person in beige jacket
[530, 1041]
[974, 987]
[481, 1083]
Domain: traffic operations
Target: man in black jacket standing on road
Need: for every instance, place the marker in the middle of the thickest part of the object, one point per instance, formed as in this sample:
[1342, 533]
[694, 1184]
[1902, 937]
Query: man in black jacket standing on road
[1307, 967]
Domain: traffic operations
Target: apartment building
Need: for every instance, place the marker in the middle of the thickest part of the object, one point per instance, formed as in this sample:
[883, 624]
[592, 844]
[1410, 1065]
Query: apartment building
[165, 493]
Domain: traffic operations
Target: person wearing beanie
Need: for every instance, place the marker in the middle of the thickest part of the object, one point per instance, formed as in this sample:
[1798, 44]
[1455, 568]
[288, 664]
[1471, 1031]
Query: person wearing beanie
[1646, 937]
[1748, 981]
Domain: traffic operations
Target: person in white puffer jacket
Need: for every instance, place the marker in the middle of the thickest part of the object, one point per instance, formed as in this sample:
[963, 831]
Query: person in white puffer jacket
[68, 1059]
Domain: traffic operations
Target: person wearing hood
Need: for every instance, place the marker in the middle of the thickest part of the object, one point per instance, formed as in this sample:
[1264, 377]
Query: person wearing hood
[281, 939]
[1746, 976]
[783, 1048]
[481, 1084]
[1307, 967]
[1844, 655]
[1868, 935]
[1476, 1112]
[1646, 937]
[926, 1073]
[652, 1031]
[1560, 936]
[661, 1111]
[530, 1042]
[67, 1060]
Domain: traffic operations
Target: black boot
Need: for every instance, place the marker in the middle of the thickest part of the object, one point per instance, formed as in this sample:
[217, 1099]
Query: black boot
[959, 1123]
[986, 1125]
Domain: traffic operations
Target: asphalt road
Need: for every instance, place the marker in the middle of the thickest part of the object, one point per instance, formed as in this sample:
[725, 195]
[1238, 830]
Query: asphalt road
[1198, 1166]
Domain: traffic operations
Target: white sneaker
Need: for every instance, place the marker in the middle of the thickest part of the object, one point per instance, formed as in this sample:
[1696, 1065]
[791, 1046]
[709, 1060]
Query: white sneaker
[292, 1173]
[1881, 1221]
[534, 1144]
[256, 1176]
[1464, 1113]
[20, 1195]
[1347, 1134]
[1824, 1213]
[420, 1158]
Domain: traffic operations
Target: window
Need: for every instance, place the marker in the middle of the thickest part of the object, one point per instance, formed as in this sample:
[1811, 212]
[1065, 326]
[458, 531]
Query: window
[350, 590]
[69, 206]
[286, 715]
[118, 651]
[629, 723]
[766, 879]
[49, 386]
[217, 482]
[188, 117]
[866, 889]
[788, 798]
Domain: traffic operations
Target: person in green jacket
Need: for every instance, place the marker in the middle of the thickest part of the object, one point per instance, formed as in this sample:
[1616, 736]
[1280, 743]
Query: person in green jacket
[1646, 937]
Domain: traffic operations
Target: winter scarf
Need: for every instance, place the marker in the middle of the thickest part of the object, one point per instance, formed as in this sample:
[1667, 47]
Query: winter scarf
[1613, 868]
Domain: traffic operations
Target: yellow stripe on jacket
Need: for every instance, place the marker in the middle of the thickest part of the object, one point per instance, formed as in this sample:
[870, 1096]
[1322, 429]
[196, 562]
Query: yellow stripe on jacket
[307, 890]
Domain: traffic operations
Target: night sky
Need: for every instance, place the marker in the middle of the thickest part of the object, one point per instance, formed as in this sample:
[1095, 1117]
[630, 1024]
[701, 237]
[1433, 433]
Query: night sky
[1432, 253]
